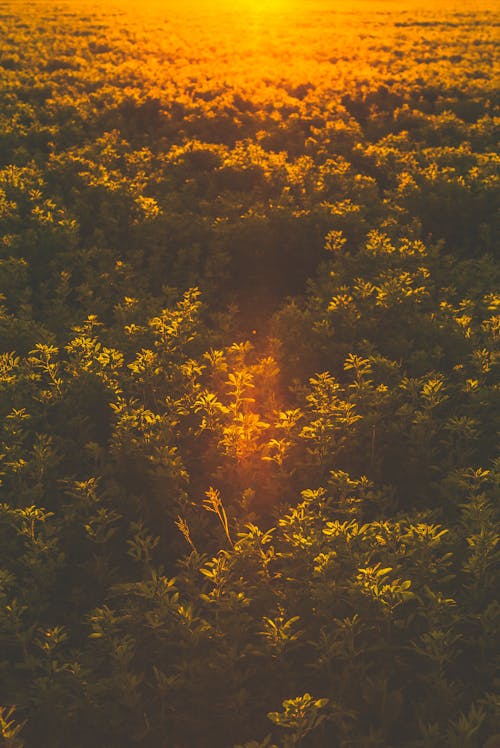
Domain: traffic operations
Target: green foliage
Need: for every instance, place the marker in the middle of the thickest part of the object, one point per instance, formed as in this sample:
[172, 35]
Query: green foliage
[301, 715]
[248, 376]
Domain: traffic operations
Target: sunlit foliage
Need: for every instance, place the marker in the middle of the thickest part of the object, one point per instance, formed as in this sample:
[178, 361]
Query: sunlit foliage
[249, 327]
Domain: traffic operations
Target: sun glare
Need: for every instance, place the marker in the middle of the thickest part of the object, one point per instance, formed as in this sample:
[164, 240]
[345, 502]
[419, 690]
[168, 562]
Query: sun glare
[221, 6]
[262, 6]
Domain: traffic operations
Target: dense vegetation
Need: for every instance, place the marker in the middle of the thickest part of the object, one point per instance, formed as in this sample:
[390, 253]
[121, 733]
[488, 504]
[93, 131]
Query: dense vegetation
[249, 375]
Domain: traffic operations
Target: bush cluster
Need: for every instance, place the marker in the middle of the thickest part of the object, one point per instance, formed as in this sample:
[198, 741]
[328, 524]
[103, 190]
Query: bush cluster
[248, 376]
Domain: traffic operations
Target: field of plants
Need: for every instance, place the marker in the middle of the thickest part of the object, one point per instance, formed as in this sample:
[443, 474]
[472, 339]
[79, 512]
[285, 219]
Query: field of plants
[249, 399]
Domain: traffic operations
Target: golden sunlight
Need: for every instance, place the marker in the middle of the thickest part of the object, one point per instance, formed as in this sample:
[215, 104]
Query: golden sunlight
[262, 6]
